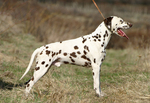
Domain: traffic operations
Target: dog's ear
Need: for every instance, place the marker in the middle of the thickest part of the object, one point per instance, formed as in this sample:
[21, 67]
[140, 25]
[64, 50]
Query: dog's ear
[107, 22]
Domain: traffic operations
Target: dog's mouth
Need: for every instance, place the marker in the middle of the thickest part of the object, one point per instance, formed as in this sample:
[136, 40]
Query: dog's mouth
[121, 33]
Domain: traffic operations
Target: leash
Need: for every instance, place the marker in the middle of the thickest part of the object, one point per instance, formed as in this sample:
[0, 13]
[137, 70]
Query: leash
[98, 9]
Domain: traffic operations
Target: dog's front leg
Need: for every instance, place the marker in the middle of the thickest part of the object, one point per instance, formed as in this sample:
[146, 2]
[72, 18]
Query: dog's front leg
[96, 77]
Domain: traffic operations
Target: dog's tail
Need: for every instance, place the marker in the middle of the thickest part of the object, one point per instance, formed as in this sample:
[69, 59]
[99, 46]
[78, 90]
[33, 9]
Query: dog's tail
[31, 61]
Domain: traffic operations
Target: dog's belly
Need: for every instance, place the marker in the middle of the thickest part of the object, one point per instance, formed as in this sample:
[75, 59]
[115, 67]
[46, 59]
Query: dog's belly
[74, 61]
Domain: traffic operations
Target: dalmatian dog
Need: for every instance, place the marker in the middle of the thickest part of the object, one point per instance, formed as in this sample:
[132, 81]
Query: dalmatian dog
[88, 51]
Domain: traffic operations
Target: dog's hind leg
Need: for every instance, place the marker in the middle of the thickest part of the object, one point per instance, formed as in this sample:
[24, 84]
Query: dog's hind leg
[40, 70]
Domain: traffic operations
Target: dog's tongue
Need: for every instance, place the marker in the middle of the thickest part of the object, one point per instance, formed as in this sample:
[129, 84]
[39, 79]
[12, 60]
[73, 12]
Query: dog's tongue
[121, 33]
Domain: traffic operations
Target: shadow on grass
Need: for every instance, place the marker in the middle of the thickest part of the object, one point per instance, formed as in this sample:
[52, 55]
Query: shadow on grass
[8, 85]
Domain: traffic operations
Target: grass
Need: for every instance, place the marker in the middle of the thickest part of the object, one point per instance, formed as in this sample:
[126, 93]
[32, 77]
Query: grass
[124, 78]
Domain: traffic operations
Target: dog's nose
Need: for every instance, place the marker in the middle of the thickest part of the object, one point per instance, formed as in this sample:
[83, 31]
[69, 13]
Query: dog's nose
[130, 24]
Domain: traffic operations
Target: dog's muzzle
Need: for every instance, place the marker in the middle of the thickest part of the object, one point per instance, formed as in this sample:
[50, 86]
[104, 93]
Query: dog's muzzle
[130, 25]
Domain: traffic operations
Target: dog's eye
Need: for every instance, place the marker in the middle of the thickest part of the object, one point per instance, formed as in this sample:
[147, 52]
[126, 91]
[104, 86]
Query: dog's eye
[121, 21]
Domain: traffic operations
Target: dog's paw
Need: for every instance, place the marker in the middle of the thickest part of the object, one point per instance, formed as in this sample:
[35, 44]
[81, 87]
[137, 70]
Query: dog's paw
[101, 94]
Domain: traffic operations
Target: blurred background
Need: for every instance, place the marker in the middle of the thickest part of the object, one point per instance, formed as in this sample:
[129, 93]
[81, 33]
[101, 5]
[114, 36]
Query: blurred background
[57, 20]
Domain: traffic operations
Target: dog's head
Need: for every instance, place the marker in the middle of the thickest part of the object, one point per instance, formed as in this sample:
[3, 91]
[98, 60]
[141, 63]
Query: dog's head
[116, 24]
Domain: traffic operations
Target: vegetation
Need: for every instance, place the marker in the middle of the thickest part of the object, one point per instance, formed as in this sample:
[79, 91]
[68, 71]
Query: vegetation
[125, 71]
[51, 22]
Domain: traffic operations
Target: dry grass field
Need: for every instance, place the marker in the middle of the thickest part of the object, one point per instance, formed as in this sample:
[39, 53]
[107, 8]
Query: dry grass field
[124, 76]
[125, 73]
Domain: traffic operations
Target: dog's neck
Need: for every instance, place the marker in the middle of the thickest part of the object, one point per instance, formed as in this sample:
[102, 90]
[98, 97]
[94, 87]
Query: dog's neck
[103, 33]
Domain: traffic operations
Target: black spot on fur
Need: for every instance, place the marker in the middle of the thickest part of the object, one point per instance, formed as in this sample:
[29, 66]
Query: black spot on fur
[104, 56]
[84, 40]
[32, 78]
[43, 63]
[94, 60]
[47, 52]
[99, 36]
[37, 68]
[53, 54]
[85, 64]
[41, 53]
[106, 33]
[47, 47]
[73, 54]
[65, 54]
[86, 47]
[84, 57]
[95, 36]
[65, 62]
[59, 51]
[27, 82]
[72, 59]
[88, 59]
[76, 47]
[84, 52]
[102, 44]
[78, 52]
[46, 65]
[28, 85]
